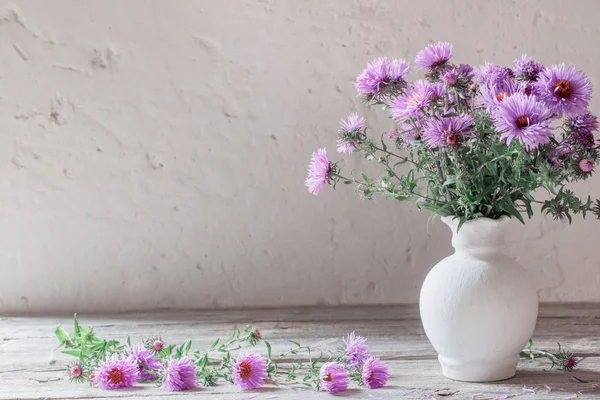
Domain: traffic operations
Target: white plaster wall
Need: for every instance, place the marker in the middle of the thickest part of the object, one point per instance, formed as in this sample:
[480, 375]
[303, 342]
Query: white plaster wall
[152, 153]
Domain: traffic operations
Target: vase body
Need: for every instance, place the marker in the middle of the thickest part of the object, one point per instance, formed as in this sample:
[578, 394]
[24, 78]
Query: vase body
[478, 306]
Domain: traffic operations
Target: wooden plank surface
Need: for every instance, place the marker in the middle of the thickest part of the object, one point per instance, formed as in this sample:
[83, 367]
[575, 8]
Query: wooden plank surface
[395, 334]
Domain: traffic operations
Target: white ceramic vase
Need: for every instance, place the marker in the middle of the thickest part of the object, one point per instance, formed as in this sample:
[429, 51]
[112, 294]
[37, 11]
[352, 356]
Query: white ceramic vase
[478, 306]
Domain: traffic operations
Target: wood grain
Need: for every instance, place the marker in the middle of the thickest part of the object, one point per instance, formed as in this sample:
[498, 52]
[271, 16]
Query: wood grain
[395, 334]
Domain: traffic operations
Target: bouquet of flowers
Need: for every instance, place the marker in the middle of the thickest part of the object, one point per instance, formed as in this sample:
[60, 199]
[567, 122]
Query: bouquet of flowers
[472, 142]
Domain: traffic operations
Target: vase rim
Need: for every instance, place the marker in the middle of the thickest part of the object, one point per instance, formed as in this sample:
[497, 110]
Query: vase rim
[452, 220]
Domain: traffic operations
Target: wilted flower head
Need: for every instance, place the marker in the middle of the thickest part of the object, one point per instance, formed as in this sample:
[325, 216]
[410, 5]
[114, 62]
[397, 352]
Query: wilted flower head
[523, 118]
[348, 133]
[374, 373]
[443, 132]
[415, 98]
[179, 375]
[356, 351]
[583, 126]
[434, 55]
[147, 364]
[569, 361]
[249, 371]
[154, 344]
[527, 69]
[115, 373]
[565, 90]
[318, 171]
[558, 155]
[333, 377]
[75, 372]
[586, 165]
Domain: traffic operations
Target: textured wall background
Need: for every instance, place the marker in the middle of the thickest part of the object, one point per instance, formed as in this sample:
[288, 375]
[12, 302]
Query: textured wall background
[152, 153]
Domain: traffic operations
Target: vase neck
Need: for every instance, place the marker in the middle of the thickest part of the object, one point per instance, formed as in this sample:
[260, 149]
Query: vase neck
[478, 237]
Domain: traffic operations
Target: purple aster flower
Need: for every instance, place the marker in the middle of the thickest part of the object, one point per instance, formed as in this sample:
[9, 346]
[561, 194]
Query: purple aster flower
[249, 371]
[494, 75]
[558, 155]
[179, 375]
[356, 351]
[372, 78]
[115, 373]
[443, 132]
[397, 69]
[318, 171]
[374, 373]
[464, 72]
[583, 126]
[434, 55]
[418, 96]
[528, 88]
[527, 69]
[492, 95]
[565, 90]
[333, 377]
[523, 118]
[352, 126]
[146, 362]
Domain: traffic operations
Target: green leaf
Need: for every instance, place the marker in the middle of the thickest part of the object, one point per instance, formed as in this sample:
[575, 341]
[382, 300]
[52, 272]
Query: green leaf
[62, 335]
[268, 349]
[74, 353]
[187, 348]
[366, 179]
[214, 344]
[76, 330]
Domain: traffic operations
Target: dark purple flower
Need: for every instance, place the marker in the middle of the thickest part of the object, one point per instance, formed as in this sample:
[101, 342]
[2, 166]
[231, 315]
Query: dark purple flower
[115, 373]
[417, 97]
[349, 128]
[374, 373]
[356, 351]
[434, 55]
[249, 371]
[565, 90]
[523, 118]
[464, 72]
[317, 171]
[179, 375]
[583, 127]
[527, 88]
[333, 377]
[527, 69]
[450, 78]
[147, 364]
[443, 132]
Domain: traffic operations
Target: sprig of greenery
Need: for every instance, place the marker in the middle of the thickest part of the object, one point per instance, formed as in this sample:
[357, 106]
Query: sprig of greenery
[560, 359]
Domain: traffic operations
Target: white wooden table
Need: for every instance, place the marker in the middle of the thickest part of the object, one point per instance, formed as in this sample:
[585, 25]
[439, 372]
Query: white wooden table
[395, 335]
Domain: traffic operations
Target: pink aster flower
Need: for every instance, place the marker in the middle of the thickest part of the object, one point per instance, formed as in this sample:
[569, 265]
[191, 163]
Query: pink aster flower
[249, 371]
[397, 69]
[523, 118]
[356, 351]
[443, 132]
[349, 129]
[417, 97]
[179, 375]
[76, 372]
[565, 90]
[147, 364]
[115, 373]
[434, 55]
[333, 377]
[492, 95]
[318, 171]
[494, 75]
[374, 373]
